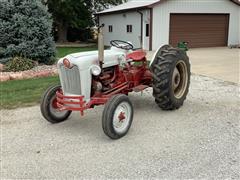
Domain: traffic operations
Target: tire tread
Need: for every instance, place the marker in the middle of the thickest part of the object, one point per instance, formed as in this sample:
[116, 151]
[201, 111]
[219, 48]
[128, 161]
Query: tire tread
[44, 105]
[161, 70]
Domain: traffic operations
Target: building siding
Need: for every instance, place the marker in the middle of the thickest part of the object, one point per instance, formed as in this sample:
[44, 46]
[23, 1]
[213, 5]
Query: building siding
[119, 23]
[161, 17]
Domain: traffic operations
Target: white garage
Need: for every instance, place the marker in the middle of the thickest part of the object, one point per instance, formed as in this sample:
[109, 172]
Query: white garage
[152, 23]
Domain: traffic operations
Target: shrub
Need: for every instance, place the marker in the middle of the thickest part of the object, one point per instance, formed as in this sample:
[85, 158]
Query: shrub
[2, 50]
[51, 61]
[25, 30]
[3, 59]
[19, 64]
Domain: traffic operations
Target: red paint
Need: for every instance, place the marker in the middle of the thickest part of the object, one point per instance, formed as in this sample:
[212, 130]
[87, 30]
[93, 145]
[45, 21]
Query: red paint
[74, 103]
[137, 55]
[122, 80]
[55, 103]
[121, 116]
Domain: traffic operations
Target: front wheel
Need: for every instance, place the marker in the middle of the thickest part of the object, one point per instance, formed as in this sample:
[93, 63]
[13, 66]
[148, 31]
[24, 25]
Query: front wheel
[117, 116]
[49, 107]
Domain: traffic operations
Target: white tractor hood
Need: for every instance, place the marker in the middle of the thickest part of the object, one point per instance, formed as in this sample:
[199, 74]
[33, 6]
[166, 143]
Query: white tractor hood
[85, 60]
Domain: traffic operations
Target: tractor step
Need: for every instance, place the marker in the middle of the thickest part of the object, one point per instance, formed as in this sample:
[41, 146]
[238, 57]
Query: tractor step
[140, 88]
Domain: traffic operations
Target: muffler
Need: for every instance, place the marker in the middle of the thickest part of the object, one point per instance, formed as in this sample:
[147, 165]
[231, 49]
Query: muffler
[101, 45]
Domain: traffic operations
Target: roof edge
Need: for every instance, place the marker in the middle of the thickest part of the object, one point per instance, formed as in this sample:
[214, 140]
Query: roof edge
[237, 2]
[122, 11]
[131, 9]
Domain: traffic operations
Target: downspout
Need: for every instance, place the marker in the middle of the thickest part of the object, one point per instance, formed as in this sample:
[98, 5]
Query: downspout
[141, 37]
[151, 30]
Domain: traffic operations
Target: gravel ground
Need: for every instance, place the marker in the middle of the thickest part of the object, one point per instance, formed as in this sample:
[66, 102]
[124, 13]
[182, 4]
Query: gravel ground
[200, 140]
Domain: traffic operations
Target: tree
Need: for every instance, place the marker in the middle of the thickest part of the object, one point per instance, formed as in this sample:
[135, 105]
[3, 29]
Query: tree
[99, 5]
[25, 30]
[75, 13]
[70, 13]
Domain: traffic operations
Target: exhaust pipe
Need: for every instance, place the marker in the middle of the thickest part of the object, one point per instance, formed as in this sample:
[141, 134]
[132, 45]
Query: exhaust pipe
[101, 45]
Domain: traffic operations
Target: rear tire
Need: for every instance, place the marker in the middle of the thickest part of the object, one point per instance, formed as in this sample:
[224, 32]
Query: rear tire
[117, 116]
[171, 77]
[49, 108]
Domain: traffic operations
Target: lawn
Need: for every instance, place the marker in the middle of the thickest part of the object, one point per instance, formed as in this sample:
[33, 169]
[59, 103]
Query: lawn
[22, 93]
[63, 51]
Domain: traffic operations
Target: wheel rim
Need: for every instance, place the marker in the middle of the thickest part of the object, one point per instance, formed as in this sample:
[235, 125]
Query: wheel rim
[54, 108]
[180, 79]
[121, 117]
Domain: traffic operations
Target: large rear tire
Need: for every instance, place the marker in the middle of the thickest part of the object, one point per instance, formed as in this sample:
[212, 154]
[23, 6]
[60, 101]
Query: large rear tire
[49, 109]
[117, 116]
[171, 77]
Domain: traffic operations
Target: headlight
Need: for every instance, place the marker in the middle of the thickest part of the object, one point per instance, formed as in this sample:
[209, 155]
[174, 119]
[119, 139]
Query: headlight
[96, 70]
[67, 63]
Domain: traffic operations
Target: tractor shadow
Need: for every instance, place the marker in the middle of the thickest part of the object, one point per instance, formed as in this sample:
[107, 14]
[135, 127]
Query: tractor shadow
[143, 101]
[87, 126]
[90, 125]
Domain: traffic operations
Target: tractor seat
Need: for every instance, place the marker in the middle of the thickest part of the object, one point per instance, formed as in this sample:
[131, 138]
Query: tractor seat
[137, 55]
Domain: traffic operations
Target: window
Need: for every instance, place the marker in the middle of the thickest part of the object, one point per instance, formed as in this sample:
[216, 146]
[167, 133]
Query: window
[129, 28]
[147, 30]
[110, 28]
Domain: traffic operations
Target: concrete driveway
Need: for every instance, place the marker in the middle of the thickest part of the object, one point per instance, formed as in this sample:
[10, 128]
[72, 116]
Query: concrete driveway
[220, 63]
[198, 141]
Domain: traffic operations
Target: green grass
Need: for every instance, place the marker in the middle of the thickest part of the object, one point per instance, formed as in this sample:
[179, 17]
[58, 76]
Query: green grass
[14, 94]
[24, 93]
[63, 51]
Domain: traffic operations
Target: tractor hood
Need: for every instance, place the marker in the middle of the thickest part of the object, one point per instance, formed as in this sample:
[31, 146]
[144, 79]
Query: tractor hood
[84, 54]
[85, 60]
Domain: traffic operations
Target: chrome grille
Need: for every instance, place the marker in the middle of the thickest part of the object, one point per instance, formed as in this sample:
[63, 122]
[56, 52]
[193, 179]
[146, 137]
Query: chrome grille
[70, 79]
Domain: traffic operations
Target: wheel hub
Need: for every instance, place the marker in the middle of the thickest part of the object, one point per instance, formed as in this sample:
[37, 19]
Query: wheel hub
[121, 117]
[176, 78]
[180, 79]
[55, 103]
[55, 109]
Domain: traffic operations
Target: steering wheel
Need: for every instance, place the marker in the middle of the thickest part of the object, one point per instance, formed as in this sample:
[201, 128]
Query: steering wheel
[121, 44]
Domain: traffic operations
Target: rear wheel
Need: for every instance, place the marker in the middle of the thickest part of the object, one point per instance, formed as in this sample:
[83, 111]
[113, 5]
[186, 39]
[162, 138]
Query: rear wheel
[49, 107]
[171, 78]
[117, 116]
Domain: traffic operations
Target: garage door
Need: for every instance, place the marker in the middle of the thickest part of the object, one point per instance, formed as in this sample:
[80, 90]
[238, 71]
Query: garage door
[199, 30]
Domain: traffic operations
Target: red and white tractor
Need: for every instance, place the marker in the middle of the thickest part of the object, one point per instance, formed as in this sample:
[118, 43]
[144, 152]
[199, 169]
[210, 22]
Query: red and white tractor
[106, 77]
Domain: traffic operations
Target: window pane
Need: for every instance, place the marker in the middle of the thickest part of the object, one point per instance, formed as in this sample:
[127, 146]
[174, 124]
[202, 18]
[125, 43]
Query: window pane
[110, 28]
[147, 30]
[129, 28]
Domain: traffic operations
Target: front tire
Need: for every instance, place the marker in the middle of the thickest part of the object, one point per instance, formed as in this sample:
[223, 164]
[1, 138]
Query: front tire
[171, 78]
[117, 116]
[49, 109]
